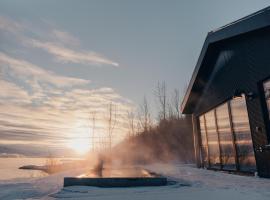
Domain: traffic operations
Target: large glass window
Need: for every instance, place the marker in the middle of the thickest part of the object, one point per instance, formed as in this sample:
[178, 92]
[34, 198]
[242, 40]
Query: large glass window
[242, 133]
[212, 138]
[266, 86]
[204, 141]
[225, 136]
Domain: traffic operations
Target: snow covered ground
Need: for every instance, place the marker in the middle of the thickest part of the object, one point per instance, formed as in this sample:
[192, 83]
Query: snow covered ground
[192, 183]
[34, 188]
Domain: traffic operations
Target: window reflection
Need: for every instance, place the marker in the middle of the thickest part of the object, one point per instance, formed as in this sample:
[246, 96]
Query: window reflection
[204, 141]
[242, 133]
[212, 138]
[218, 135]
[225, 136]
[266, 86]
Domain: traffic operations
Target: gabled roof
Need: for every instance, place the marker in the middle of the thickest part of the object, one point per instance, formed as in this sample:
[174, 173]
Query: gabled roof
[255, 21]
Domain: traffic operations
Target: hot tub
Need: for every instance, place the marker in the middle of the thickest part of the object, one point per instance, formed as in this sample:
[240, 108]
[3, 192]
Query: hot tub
[124, 177]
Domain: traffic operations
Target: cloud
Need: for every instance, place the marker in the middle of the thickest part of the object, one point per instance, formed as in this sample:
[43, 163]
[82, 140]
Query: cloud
[63, 46]
[41, 106]
[60, 119]
[28, 71]
[65, 37]
[67, 55]
[10, 25]
[12, 92]
[63, 108]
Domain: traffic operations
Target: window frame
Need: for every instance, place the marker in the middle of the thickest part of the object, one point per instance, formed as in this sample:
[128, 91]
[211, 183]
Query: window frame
[265, 111]
[236, 155]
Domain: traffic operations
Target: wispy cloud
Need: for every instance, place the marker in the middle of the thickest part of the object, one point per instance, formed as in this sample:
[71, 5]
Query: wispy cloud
[65, 37]
[41, 106]
[10, 25]
[12, 92]
[63, 107]
[26, 70]
[63, 46]
[60, 119]
[66, 55]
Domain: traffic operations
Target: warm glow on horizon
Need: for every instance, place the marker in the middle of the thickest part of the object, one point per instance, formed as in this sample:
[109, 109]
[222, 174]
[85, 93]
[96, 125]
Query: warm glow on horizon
[80, 145]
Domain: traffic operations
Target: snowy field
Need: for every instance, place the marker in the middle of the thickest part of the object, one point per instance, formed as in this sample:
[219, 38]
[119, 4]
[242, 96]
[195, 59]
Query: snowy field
[192, 183]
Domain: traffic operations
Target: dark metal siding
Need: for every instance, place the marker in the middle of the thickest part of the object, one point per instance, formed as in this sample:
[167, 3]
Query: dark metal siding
[241, 63]
[255, 21]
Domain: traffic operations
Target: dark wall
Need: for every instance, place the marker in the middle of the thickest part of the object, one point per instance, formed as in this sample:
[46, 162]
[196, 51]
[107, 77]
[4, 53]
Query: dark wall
[241, 63]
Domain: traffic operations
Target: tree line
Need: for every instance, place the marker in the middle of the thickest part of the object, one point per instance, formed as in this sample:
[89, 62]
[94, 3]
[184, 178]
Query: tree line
[169, 138]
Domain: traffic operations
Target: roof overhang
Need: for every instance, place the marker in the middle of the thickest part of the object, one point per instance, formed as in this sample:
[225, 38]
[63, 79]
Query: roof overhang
[255, 21]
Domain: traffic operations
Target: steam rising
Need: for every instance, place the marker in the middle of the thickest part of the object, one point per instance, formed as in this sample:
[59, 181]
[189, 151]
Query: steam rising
[170, 141]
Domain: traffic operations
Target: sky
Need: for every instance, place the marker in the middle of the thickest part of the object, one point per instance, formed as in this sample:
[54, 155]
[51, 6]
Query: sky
[61, 61]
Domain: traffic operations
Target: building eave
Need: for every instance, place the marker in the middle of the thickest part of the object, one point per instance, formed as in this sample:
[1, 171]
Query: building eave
[255, 21]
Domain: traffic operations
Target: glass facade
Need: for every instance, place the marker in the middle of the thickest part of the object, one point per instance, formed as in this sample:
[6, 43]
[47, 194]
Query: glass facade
[212, 138]
[226, 138]
[266, 86]
[227, 135]
[204, 141]
[242, 134]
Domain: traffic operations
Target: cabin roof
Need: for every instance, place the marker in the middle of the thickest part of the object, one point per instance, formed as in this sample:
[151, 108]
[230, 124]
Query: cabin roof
[255, 21]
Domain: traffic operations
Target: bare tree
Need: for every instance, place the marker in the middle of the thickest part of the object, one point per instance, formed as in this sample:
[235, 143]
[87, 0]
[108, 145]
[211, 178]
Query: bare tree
[52, 163]
[161, 95]
[131, 118]
[144, 115]
[93, 136]
[176, 103]
[111, 120]
[138, 127]
[171, 113]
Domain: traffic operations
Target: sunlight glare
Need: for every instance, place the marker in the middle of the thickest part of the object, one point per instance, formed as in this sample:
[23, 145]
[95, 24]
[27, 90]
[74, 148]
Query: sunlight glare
[81, 146]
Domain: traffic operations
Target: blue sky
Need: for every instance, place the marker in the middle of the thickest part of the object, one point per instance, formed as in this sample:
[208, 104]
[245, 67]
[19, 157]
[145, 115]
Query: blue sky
[53, 54]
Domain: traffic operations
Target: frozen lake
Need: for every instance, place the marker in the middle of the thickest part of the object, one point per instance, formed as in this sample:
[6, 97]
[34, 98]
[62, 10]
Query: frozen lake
[9, 168]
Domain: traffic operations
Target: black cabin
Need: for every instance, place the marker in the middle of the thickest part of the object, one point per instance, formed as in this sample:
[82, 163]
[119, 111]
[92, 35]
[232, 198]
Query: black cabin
[229, 97]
